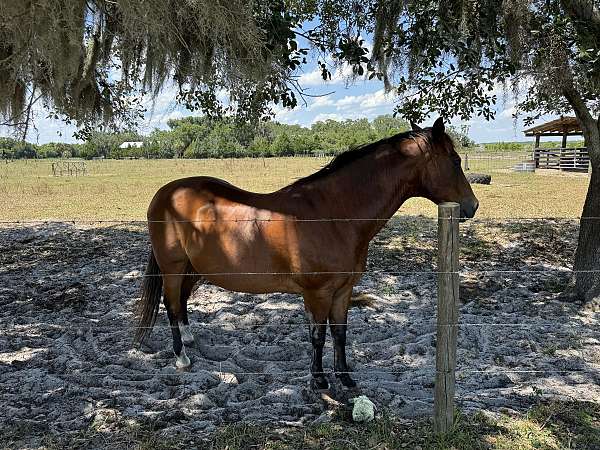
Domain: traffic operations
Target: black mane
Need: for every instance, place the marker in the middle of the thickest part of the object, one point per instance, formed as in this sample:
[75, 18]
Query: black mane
[349, 156]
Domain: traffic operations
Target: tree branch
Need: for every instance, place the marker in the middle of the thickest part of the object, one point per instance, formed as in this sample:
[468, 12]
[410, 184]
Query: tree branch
[23, 120]
[586, 19]
[32, 100]
[582, 10]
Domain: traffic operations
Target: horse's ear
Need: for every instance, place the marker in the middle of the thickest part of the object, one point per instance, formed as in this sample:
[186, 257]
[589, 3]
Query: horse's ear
[438, 127]
[415, 127]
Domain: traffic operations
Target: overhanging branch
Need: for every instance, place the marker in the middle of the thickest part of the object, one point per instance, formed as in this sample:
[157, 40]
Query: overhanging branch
[586, 19]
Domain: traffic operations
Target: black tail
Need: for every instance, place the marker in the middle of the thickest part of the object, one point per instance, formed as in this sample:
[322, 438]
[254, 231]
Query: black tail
[147, 308]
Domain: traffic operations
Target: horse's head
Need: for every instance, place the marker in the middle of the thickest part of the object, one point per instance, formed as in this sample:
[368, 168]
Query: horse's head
[442, 178]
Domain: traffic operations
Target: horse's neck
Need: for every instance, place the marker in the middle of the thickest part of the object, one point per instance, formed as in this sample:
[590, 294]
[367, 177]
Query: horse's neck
[371, 188]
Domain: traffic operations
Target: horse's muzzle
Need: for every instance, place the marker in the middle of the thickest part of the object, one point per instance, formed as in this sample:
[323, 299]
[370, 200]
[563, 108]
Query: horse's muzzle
[468, 208]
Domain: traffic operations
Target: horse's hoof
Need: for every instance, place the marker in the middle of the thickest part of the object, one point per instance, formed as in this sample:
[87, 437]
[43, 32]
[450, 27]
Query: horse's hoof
[183, 363]
[319, 384]
[346, 380]
[183, 368]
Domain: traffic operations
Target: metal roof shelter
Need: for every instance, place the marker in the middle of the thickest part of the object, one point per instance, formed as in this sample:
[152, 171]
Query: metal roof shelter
[558, 127]
[563, 157]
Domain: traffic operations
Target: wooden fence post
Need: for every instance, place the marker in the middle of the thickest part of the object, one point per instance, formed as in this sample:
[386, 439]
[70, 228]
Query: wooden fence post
[447, 316]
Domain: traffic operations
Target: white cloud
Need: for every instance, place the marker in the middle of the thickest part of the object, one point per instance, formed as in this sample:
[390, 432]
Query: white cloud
[377, 99]
[349, 100]
[366, 101]
[313, 78]
[287, 115]
[339, 75]
[508, 112]
[320, 102]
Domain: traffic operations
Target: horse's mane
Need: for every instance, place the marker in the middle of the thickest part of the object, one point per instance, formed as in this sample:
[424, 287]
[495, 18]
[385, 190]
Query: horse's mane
[349, 156]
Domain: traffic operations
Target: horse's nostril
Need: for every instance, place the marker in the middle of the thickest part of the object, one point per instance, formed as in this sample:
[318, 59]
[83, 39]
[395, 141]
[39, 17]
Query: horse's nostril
[469, 208]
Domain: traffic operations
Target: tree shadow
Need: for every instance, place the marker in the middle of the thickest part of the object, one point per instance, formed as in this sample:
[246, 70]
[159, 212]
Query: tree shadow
[516, 334]
[66, 327]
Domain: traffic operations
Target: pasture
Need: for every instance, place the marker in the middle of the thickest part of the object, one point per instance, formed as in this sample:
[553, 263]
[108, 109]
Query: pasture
[528, 361]
[122, 189]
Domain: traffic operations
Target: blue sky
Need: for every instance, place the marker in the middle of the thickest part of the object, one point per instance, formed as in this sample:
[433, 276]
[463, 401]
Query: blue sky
[347, 99]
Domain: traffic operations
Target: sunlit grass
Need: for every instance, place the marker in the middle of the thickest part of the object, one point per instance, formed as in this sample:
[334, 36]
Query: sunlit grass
[122, 189]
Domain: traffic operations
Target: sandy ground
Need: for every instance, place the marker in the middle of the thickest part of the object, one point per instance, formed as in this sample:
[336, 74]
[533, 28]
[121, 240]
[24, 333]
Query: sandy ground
[67, 364]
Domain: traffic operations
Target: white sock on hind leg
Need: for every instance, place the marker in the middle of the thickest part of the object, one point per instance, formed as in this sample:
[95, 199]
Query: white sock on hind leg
[183, 361]
[186, 334]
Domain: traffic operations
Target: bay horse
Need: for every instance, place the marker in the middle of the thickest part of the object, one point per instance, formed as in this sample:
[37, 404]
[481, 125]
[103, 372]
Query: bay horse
[310, 237]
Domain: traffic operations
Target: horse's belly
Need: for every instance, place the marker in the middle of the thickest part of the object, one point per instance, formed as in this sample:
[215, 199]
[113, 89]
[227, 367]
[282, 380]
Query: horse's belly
[254, 283]
[242, 268]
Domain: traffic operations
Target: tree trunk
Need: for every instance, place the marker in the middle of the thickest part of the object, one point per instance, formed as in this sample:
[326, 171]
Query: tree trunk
[586, 20]
[587, 257]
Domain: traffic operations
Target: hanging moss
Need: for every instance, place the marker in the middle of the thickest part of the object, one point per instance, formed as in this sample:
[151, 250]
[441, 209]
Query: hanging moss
[85, 57]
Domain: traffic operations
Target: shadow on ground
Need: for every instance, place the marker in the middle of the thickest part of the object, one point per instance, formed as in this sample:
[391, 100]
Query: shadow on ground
[67, 363]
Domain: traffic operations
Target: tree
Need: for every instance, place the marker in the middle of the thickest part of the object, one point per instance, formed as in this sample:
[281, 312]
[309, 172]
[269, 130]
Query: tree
[184, 133]
[160, 144]
[106, 145]
[56, 150]
[460, 137]
[220, 142]
[87, 59]
[449, 57]
[7, 147]
[91, 61]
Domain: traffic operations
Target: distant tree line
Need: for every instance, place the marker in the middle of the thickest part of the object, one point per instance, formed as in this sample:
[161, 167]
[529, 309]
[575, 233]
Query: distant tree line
[526, 146]
[200, 137]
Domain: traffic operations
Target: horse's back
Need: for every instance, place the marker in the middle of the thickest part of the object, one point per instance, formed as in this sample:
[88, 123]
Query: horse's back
[198, 185]
[185, 197]
[222, 229]
[217, 226]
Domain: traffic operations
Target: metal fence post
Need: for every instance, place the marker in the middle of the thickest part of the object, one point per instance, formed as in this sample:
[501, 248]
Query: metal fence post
[447, 316]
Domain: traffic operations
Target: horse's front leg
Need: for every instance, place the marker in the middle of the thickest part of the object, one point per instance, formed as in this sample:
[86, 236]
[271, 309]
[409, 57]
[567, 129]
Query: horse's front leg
[317, 337]
[338, 324]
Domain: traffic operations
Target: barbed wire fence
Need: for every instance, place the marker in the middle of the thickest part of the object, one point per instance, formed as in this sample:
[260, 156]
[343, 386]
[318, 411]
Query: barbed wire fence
[448, 276]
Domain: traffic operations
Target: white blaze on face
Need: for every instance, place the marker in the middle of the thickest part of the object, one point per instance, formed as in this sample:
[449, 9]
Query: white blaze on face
[186, 335]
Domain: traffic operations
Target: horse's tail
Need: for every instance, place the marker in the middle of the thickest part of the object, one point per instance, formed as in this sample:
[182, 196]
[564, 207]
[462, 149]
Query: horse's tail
[147, 308]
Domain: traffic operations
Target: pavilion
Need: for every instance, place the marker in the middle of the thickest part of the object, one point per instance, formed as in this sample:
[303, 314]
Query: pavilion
[559, 158]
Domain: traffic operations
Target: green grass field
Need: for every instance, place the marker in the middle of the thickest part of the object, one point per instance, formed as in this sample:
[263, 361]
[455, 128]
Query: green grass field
[122, 189]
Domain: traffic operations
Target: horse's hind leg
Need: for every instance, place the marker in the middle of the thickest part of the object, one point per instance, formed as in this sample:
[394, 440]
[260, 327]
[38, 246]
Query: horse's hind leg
[172, 284]
[317, 306]
[189, 281]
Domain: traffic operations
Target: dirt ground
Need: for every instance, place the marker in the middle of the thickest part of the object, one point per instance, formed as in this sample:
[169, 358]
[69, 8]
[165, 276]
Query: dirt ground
[67, 363]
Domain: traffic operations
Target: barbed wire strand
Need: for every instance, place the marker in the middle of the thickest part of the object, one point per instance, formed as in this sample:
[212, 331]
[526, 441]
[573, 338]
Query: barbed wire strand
[331, 372]
[367, 272]
[333, 219]
[462, 272]
[202, 325]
